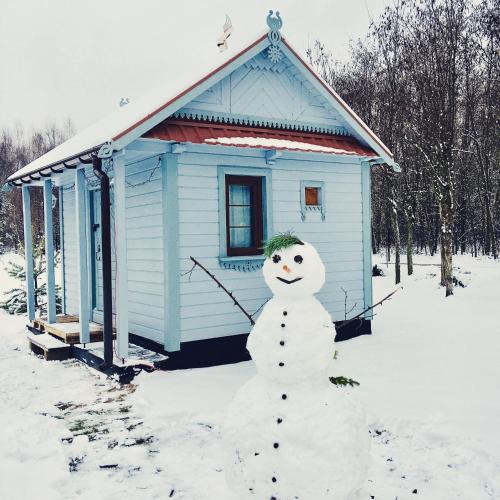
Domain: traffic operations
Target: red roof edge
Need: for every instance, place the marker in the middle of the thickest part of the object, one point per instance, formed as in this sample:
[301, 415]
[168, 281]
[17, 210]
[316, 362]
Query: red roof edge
[199, 132]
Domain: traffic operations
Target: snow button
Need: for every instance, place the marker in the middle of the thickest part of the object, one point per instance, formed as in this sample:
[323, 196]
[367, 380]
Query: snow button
[282, 342]
[282, 325]
[284, 313]
[283, 396]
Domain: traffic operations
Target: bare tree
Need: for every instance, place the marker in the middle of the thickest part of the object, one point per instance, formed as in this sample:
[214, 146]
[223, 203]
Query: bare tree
[17, 149]
[426, 79]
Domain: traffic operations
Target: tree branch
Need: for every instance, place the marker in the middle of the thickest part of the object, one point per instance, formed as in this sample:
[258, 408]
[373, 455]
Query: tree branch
[380, 302]
[220, 285]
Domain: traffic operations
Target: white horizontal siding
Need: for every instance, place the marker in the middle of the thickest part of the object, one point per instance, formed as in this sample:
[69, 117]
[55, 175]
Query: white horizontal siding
[144, 248]
[206, 311]
[338, 238]
[144, 215]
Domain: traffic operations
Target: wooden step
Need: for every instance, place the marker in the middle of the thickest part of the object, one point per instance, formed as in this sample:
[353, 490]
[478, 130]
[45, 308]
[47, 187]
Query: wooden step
[68, 330]
[60, 318]
[51, 348]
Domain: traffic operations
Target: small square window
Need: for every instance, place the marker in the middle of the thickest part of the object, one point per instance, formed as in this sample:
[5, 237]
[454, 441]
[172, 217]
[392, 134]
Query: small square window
[312, 196]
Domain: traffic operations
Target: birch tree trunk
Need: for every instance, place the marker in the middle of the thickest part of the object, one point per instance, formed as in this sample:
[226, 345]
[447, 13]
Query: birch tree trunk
[409, 242]
[446, 248]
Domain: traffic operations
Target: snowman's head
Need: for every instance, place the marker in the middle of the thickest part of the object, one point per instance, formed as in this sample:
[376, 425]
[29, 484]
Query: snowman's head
[293, 268]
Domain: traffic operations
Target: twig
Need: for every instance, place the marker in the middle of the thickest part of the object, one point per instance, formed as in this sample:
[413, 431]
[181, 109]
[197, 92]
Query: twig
[262, 305]
[351, 309]
[220, 285]
[345, 323]
[190, 272]
[345, 302]
[346, 312]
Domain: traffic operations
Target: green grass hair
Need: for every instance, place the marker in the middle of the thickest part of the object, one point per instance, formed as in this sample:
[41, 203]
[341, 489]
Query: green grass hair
[279, 242]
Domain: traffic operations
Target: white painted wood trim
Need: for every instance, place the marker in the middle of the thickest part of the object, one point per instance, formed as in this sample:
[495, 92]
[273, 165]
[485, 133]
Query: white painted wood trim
[83, 276]
[49, 251]
[28, 253]
[121, 286]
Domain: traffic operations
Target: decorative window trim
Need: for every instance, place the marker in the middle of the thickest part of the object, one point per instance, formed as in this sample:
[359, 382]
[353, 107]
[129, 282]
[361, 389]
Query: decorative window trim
[250, 263]
[244, 262]
[312, 208]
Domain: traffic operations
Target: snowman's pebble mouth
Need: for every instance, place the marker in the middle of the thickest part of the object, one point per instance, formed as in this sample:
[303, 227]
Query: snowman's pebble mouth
[287, 281]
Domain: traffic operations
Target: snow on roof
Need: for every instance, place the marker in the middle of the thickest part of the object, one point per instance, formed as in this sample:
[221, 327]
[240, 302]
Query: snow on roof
[130, 116]
[124, 118]
[200, 132]
[265, 142]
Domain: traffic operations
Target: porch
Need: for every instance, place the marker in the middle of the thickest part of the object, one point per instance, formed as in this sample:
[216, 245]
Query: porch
[99, 279]
[67, 329]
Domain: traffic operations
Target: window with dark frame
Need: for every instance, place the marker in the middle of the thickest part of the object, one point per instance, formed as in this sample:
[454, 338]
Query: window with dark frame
[244, 215]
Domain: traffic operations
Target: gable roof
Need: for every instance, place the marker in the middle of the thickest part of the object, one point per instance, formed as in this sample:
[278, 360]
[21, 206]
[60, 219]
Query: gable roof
[133, 120]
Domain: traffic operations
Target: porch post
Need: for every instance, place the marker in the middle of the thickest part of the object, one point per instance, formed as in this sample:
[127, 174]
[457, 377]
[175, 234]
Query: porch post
[49, 250]
[61, 244]
[171, 298]
[28, 253]
[367, 236]
[81, 232]
[121, 292]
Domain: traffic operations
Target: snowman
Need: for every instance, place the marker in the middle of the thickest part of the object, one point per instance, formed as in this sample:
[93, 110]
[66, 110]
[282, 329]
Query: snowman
[291, 433]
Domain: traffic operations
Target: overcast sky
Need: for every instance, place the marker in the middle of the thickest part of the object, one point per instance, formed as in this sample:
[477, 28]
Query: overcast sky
[76, 58]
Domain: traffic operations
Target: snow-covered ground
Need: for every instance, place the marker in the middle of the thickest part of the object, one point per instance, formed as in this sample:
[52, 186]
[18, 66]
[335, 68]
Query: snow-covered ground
[429, 379]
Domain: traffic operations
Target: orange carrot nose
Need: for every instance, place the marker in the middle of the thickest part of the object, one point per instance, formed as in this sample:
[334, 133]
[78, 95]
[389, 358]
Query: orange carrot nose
[286, 268]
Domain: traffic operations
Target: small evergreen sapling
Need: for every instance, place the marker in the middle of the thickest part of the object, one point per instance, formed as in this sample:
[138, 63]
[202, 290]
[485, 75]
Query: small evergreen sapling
[16, 298]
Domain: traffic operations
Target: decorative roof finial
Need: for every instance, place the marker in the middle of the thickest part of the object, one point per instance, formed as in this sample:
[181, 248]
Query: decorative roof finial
[275, 23]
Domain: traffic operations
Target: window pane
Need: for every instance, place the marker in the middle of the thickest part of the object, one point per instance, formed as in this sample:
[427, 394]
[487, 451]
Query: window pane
[240, 237]
[240, 216]
[312, 195]
[239, 195]
[244, 215]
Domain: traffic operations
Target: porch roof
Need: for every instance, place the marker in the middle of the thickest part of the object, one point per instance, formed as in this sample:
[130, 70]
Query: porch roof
[200, 132]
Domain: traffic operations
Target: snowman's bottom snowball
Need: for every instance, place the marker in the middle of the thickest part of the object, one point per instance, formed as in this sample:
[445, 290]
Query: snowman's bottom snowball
[318, 451]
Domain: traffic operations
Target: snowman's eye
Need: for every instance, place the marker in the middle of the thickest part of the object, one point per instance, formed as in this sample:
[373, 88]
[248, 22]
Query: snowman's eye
[298, 259]
[276, 258]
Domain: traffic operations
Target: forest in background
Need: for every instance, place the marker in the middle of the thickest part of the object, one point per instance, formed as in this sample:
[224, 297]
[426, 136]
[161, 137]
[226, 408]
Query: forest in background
[18, 148]
[426, 80]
